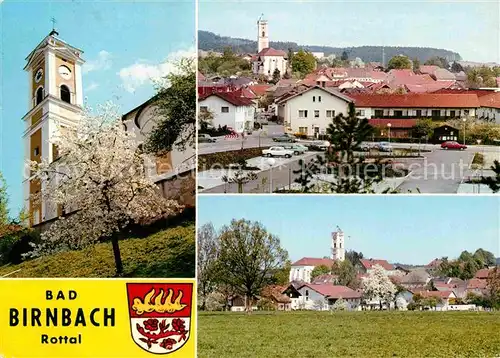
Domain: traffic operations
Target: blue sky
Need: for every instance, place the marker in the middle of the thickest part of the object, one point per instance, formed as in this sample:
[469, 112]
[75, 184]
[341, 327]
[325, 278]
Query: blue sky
[405, 229]
[470, 28]
[124, 43]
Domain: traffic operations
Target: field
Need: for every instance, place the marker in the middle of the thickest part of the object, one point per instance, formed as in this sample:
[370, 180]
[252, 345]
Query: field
[167, 253]
[349, 334]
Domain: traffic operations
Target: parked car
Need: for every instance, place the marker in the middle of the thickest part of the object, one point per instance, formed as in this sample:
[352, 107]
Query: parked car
[277, 152]
[206, 138]
[296, 148]
[384, 147]
[453, 145]
[319, 145]
[285, 138]
[365, 146]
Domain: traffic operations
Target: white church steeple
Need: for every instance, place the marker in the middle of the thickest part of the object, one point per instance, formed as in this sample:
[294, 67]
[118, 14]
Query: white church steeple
[262, 35]
[338, 248]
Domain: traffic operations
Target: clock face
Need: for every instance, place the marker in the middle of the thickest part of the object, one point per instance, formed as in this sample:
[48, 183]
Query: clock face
[38, 75]
[65, 72]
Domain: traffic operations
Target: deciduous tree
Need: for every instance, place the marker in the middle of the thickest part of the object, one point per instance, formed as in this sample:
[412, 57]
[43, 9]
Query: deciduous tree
[399, 62]
[248, 255]
[208, 243]
[303, 62]
[101, 178]
[320, 270]
[348, 173]
[378, 287]
[176, 109]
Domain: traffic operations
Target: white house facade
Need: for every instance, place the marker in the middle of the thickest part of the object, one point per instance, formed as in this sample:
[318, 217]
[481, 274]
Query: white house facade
[229, 110]
[311, 111]
[322, 297]
[301, 270]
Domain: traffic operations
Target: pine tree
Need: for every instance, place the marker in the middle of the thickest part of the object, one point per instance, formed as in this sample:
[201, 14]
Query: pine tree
[351, 174]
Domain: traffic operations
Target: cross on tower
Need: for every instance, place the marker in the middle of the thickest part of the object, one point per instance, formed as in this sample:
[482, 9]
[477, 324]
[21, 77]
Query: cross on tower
[53, 20]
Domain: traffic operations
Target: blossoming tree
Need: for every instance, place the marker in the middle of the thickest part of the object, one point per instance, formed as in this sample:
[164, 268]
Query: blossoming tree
[378, 287]
[100, 179]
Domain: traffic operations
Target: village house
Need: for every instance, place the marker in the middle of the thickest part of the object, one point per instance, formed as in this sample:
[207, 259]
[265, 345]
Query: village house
[280, 300]
[368, 264]
[445, 298]
[237, 303]
[440, 106]
[322, 297]
[490, 107]
[294, 295]
[309, 112]
[415, 278]
[229, 109]
[174, 172]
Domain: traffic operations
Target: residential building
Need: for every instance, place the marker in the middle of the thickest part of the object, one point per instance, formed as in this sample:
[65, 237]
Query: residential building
[294, 295]
[445, 298]
[237, 303]
[415, 278]
[310, 111]
[301, 270]
[174, 172]
[490, 107]
[229, 109]
[281, 301]
[368, 264]
[323, 296]
[440, 106]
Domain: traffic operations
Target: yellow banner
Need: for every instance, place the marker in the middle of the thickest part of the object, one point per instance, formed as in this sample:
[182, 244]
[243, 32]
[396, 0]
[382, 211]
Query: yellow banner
[103, 318]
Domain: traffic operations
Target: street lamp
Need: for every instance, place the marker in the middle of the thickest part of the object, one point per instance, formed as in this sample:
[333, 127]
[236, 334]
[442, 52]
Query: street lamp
[389, 131]
[464, 119]
[271, 162]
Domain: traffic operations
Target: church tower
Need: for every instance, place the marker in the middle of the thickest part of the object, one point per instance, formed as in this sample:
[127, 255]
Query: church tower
[338, 248]
[262, 35]
[55, 101]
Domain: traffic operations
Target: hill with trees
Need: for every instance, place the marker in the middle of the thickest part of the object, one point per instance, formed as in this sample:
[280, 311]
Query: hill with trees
[208, 41]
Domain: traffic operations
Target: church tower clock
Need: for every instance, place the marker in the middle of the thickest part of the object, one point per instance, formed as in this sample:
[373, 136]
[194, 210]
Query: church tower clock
[55, 101]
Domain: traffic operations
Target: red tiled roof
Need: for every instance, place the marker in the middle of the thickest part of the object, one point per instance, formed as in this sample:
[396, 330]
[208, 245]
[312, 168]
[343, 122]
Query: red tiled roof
[312, 261]
[441, 294]
[276, 292]
[483, 273]
[329, 290]
[269, 51]
[368, 264]
[247, 93]
[326, 278]
[428, 69]
[230, 97]
[420, 100]
[395, 123]
[491, 100]
[429, 87]
[259, 90]
[476, 283]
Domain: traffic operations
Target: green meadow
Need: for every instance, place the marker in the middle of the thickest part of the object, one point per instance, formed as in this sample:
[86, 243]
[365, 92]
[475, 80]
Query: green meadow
[349, 334]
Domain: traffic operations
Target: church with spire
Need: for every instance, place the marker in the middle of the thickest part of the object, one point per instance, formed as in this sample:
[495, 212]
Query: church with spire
[55, 102]
[267, 60]
[301, 270]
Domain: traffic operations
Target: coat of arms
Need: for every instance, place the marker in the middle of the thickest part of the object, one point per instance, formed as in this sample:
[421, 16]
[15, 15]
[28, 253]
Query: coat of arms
[160, 315]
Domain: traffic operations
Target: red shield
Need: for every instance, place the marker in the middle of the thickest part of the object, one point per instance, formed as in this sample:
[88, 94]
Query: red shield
[160, 315]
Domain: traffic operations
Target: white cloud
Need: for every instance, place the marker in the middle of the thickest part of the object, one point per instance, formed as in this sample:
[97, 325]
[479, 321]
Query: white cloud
[141, 72]
[92, 86]
[103, 62]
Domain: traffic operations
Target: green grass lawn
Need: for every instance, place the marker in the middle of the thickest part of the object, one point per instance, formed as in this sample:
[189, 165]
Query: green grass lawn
[166, 253]
[349, 334]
